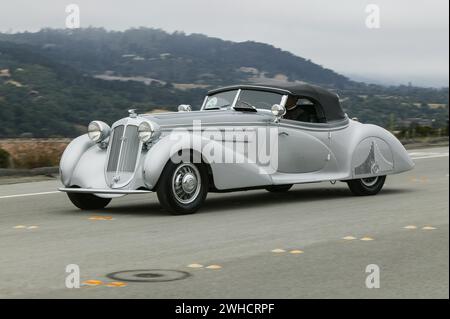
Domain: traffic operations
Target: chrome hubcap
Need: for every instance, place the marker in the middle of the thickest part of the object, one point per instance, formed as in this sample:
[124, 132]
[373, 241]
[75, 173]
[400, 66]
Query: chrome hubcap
[186, 183]
[189, 183]
[370, 181]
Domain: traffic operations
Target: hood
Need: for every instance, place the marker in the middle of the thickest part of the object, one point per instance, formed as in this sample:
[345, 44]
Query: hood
[176, 119]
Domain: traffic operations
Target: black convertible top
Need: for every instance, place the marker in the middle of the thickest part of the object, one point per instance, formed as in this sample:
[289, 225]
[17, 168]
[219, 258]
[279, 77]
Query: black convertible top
[328, 100]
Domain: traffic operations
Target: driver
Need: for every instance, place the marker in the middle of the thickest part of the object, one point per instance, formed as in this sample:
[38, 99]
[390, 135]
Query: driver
[293, 111]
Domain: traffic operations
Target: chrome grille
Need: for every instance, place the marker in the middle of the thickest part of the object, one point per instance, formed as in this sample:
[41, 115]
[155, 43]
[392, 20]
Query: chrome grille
[115, 149]
[123, 154]
[130, 148]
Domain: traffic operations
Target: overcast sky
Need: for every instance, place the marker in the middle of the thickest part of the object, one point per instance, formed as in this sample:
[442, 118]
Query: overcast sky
[410, 45]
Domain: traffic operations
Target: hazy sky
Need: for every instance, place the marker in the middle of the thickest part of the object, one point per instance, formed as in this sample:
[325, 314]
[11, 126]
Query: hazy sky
[410, 45]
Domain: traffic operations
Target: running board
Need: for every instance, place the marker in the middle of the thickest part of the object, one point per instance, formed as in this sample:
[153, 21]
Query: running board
[102, 191]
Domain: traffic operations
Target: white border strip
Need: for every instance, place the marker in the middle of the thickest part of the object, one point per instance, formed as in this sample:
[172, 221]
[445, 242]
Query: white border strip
[429, 156]
[31, 194]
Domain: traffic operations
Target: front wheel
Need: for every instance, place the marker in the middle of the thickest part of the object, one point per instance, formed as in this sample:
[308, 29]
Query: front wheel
[88, 201]
[183, 187]
[366, 186]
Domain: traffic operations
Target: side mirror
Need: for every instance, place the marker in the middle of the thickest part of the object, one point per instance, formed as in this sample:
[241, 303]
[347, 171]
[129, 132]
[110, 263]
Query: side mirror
[278, 110]
[184, 108]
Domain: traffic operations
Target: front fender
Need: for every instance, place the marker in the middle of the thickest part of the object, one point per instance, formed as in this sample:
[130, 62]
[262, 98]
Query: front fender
[71, 156]
[237, 174]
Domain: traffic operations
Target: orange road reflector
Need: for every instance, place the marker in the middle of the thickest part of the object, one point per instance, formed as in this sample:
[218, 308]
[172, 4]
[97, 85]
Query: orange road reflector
[366, 238]
[410, 227]
[348, 238]
[92, 282]
[116, 284]
[214, 267]
[195, 266]
[428, 228]
[296, 251]
[101, 218]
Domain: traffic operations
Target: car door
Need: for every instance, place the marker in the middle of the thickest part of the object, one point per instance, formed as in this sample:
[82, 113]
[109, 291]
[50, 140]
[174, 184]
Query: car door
[303, 142]
[302, 148]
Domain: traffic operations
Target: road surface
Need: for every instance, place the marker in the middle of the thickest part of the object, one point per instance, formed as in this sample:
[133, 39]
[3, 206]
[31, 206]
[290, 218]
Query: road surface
[250, 244]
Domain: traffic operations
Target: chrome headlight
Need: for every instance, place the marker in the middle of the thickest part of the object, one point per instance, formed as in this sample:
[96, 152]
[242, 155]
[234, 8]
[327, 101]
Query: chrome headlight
[98, 131]
[146, 131]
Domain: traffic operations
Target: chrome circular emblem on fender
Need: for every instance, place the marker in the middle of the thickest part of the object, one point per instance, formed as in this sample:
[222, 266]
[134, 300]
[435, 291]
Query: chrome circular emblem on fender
[186, 183]
[370, 181]
[375, 168]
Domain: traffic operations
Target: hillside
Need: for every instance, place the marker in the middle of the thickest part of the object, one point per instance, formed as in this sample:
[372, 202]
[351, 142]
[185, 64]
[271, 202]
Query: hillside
[174, 58]
[53, 82]
[42, 98]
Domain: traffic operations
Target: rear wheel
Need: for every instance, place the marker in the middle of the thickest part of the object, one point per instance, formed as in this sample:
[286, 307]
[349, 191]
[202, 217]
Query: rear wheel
[183, 187]
[278, 188]
[88, 201]
[366, 186]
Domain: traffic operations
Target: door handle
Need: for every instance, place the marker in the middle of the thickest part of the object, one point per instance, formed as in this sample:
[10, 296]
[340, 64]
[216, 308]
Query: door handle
[283, 134]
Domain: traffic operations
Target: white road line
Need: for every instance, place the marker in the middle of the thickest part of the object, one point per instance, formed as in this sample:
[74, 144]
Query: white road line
[31, 194]
[429, 156]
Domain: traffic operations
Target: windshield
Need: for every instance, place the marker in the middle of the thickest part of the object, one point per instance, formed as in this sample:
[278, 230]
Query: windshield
[248, 99]
[258, 99]
[220, 100]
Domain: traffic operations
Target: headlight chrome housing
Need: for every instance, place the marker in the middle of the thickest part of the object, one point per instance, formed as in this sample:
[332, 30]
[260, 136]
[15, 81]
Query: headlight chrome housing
[148, 131]
[98, 131]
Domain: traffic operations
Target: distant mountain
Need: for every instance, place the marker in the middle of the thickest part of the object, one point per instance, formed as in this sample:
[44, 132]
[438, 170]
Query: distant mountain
[53, 82]
[43, 98]
[175, 58]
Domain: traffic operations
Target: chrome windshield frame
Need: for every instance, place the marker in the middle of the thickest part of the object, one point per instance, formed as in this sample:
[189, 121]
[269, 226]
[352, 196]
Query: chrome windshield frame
[232, 104]
[283, 101]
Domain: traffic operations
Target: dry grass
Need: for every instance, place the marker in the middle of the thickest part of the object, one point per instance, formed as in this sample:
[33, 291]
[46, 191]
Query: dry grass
[32, 153]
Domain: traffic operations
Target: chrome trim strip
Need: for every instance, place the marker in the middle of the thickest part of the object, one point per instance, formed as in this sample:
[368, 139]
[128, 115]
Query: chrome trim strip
[172, 126]
[316, 126]
[101, 191]
[299, 125]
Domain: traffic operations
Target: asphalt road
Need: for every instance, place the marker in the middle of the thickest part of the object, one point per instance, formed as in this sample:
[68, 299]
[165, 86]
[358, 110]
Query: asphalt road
[237, 232]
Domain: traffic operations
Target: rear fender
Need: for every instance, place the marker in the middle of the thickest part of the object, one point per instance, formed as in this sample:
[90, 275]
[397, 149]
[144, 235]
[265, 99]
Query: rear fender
[378, 152]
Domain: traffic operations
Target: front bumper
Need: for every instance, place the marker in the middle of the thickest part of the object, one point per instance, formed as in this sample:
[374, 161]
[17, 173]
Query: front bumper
[102, 191]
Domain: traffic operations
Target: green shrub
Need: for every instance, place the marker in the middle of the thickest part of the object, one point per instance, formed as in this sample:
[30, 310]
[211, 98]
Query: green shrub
[4, 158]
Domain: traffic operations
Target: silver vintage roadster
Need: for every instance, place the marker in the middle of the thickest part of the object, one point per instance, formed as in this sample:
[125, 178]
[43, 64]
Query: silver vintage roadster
[243, 137]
